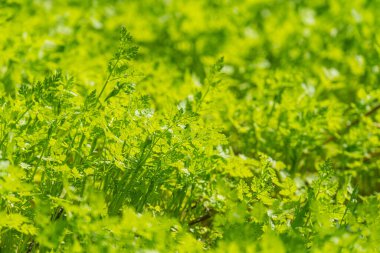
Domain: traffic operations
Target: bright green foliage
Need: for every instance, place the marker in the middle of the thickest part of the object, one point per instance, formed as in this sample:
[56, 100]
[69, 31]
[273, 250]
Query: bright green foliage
[189, 126]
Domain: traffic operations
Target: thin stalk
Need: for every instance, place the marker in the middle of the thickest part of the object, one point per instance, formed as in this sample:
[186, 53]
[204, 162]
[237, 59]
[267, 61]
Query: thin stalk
[108, 78]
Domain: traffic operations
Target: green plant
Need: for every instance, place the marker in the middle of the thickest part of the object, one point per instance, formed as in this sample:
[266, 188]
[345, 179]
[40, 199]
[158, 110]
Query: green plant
[170, 147]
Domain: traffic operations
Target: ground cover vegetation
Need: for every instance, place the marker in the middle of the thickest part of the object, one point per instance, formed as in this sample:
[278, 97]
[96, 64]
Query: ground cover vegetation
[189, 126]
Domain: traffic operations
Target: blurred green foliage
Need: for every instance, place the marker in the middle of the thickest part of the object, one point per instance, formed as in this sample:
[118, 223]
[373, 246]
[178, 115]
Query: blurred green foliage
[185, 126]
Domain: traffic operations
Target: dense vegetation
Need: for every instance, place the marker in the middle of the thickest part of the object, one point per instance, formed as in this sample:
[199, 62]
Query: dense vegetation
[186, 126]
